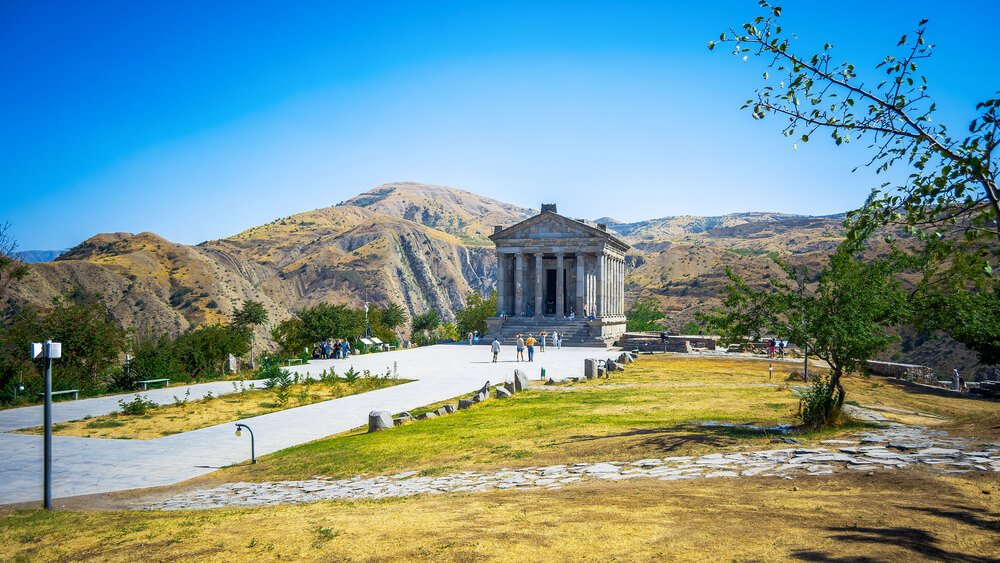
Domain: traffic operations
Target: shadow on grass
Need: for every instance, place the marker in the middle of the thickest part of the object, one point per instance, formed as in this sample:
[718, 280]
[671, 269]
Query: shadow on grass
[671, 439]
[921, 543]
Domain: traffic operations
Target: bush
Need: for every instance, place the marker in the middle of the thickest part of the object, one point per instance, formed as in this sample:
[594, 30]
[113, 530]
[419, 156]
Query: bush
[816, 403]
[136, 407]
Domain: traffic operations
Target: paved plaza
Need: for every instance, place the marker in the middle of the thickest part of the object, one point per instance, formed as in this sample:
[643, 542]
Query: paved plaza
[95, 465]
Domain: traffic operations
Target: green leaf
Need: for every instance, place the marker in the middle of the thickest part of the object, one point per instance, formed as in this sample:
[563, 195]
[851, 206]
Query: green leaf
[711, 45]
[805, 138]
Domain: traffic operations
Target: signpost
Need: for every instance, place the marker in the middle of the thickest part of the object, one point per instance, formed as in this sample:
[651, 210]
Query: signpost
[50, 351]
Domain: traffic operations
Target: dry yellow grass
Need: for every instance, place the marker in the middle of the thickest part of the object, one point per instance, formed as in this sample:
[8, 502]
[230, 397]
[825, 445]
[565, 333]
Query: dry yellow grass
[902, 516]
[186, 416]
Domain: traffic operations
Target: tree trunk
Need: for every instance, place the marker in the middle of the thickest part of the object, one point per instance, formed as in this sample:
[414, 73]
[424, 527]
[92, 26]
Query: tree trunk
[837, 394]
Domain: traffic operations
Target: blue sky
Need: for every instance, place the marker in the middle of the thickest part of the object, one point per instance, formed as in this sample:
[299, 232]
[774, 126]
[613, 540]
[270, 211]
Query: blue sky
[196, 120]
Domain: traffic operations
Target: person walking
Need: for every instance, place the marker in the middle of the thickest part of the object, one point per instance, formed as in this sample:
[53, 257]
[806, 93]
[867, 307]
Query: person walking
[496, 348]
[956, 380]
[543, 335]
[530, 343]
[520, 348]
[470, 338]
[345, 348]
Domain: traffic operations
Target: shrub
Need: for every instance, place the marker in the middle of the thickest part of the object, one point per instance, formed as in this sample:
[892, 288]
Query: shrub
[816, 403]
[351, 375]
[136, 407]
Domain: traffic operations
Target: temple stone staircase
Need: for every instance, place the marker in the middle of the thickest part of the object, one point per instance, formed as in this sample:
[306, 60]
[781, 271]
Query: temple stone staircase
[574, 332]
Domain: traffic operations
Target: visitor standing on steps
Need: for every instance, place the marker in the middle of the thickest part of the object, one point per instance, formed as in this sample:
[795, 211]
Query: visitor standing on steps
[520, 348]
[496, 348]
[530, 342]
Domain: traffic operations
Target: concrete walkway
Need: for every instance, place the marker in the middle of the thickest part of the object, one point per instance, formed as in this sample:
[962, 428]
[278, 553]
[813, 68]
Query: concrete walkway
[93, 465]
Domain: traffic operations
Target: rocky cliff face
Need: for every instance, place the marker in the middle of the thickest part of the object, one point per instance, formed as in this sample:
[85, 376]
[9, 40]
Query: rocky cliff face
[423, 247]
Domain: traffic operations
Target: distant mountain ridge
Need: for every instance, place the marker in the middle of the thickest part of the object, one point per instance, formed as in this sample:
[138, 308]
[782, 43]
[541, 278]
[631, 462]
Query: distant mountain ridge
[419, 245]
[36, 256]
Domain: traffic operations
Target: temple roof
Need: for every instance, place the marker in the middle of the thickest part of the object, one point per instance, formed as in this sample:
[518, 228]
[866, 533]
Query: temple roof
[556, 224]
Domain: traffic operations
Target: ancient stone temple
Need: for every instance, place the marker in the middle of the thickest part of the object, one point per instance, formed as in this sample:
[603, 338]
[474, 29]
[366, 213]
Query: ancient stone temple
[559, 275]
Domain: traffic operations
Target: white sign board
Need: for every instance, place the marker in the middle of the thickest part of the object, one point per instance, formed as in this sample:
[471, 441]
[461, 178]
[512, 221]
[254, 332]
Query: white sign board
[36, 350]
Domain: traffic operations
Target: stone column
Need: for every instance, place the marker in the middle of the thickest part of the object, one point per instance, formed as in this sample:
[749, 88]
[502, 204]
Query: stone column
[539, 281]
[618, 286]
[580, 284]
[501, 282]
[518, 284]
[602, 281]
[560, 282]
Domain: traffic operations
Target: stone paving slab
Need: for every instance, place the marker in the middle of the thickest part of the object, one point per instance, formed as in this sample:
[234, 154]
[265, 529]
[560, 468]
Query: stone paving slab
[92, 465]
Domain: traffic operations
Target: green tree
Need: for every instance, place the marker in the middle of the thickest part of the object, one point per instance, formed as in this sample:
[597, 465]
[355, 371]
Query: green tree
[11, 269]
[645, 316]
[153, 357]
[326, 320]
[204, 350]
[950, 192]
[746, 314]
[290, 337]
[426, 321]
[842, 320]
[392, 316]
[251, 315]
[472, 318]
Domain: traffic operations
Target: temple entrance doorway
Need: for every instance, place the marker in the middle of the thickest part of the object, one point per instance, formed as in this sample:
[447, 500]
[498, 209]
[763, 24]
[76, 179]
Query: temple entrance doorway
[550, 292]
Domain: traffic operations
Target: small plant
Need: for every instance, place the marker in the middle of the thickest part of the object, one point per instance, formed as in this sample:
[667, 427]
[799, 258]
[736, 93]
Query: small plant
[367, 374]
[136, 407]
[209, 396]
[182, 403]
[395, 370]
[351, 375]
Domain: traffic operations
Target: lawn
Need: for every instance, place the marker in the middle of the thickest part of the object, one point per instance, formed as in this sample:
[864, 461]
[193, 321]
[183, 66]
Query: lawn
[183, 415]
[653, 409]
[897, 516]
[650, 410]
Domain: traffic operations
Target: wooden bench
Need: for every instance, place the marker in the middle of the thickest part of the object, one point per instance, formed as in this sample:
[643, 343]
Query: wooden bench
[74, 392]
[145, 383]
[289, 362]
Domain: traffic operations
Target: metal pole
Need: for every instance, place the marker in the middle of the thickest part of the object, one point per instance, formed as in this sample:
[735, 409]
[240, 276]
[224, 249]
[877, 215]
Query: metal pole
[47, 447]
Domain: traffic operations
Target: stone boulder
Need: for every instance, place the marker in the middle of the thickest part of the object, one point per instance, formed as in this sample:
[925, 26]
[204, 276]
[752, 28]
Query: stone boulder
[611, 366]
[450, 408]
[509, 386]
[520, 380]
[626, 358]
[503, 393]
[601, 372]
[590, 368]
[464, 404]
[441, 411]
[402, 419]
[379, 420]
[426, 415]
[550, 381]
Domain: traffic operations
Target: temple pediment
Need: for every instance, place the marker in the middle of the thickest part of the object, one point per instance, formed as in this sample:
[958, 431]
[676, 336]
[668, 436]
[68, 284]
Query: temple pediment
[548, 226]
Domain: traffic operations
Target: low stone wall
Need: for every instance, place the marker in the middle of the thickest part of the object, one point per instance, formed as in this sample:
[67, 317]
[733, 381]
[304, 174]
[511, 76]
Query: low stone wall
[907, 372]
[651, 342]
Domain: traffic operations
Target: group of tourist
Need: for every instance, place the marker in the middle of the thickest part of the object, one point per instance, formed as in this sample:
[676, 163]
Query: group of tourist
[776, 348]
[331, 349]
[528, 344]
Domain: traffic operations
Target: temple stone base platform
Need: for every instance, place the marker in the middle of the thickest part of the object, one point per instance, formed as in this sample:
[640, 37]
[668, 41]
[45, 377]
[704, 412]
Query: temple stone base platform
[574, 332]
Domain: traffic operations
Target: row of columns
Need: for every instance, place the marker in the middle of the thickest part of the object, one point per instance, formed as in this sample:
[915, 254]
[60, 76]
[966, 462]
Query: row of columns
[600, 289]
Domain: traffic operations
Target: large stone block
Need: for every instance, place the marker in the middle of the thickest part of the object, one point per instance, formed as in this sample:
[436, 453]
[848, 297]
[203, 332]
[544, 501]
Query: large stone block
[379, 420]
[464, 404]
[590, 368]
[520, 380]
[503, 393]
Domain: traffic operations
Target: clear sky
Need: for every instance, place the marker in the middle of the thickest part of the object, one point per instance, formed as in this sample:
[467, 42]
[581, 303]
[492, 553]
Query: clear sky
[196, 120]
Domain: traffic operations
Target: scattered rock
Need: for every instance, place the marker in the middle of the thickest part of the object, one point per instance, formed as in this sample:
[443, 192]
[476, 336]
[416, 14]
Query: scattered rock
[503, 393]
[379, 420]
[550, 381]
[590, 368]
[612, 365]
[441, 411]
[464, 404]
[450, 408]
[509, 386]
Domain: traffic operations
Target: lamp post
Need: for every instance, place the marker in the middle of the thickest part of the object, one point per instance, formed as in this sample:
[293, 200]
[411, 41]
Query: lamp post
[368, 328]
[50, 351]
[239, 429]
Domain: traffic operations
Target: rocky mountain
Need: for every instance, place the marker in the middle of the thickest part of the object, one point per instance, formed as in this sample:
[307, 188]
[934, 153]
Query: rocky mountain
[36, 256]
[418, 245]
